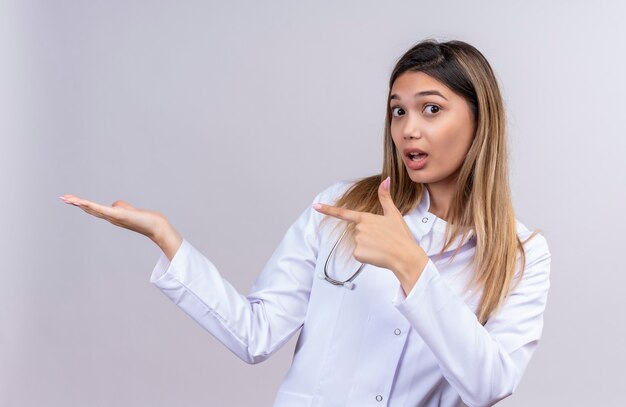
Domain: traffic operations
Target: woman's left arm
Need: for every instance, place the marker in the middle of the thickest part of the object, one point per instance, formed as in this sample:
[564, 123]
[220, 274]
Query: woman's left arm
[484, 364]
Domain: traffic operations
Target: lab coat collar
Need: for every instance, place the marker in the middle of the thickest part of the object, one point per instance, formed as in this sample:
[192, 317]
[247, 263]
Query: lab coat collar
[422, 222]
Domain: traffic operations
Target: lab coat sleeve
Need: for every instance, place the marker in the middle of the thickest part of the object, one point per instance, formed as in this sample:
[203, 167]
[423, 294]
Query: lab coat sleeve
[256, 325]
[484, 364]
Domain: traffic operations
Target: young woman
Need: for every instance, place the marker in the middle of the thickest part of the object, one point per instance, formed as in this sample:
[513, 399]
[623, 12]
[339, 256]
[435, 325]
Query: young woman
[413, 287]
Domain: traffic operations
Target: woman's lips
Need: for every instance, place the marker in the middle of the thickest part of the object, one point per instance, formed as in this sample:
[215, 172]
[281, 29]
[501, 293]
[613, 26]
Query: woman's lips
[416, 164]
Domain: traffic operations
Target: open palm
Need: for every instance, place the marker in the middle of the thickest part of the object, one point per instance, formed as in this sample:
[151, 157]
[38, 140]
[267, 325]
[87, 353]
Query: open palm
[149, 223]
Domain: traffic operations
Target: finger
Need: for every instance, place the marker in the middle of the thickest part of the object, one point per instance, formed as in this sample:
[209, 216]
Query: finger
[93, 208]
[74, 200]
[69, 199]
[340, 213]
[384, 196]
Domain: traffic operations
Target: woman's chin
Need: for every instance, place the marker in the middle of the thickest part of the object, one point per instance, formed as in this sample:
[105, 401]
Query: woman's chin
[417, 176]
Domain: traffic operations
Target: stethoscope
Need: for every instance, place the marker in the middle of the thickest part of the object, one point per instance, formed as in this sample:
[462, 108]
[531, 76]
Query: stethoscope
[324, 276]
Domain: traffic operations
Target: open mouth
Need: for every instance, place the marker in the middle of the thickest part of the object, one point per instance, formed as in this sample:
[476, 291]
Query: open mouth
[417, 156]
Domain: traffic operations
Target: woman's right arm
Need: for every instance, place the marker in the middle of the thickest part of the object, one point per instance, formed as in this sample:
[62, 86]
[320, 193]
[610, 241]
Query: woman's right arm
[252, 326]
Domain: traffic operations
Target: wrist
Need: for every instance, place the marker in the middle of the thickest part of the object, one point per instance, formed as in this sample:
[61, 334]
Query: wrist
[410, 267]
[168, 239]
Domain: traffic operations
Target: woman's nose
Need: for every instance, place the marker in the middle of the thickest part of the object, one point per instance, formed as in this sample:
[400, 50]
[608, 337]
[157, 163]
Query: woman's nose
[411, 128]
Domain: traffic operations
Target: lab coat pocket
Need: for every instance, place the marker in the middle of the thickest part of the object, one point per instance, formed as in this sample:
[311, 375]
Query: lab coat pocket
[288, 399]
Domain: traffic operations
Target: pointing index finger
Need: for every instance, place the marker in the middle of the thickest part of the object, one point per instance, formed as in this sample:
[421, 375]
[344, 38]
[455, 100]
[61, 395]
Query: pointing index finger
[340, 213]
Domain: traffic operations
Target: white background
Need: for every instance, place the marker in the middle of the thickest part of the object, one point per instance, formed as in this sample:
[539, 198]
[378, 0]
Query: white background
[229, 118]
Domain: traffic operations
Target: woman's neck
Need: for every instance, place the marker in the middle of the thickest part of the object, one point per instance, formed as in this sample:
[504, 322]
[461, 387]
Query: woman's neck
[440, 200]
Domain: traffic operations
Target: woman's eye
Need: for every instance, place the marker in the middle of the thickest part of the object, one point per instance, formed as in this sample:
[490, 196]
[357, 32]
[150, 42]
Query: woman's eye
[432, 109]
[395, 110]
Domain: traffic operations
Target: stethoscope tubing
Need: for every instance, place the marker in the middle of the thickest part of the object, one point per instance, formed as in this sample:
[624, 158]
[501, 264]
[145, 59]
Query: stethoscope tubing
[347, 283]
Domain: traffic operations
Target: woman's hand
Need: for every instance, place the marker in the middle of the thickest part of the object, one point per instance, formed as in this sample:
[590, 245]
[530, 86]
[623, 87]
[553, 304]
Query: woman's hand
[149, 223]
[384, 240]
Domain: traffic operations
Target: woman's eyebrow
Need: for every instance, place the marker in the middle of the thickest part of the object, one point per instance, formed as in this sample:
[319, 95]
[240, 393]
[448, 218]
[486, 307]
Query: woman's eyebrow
[422, 93]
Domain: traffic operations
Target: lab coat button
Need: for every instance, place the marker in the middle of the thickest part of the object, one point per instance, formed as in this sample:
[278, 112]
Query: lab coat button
[424, 220]
[379, 398]
[397, 331]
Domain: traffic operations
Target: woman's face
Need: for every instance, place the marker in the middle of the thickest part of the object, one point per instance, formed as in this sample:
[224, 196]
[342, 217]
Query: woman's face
[429, 118]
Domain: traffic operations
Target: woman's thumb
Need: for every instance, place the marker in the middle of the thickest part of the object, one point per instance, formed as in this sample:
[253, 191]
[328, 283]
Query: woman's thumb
[122, 204]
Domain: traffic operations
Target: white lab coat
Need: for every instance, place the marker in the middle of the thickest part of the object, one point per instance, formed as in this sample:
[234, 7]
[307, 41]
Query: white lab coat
[372, 345]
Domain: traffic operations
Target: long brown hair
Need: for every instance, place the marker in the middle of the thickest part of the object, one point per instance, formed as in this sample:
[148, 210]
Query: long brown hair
[482, 199]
